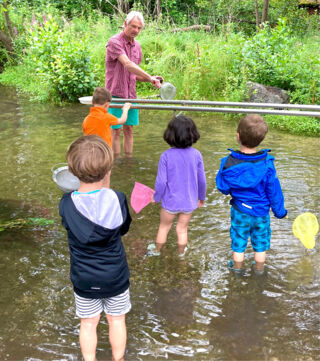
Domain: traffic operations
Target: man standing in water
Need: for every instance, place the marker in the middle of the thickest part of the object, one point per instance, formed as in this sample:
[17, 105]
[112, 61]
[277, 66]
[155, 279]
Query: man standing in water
[123, 57]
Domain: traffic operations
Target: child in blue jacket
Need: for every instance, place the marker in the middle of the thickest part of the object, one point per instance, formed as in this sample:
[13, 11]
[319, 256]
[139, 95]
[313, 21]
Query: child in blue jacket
[95, 218]
[251, 179]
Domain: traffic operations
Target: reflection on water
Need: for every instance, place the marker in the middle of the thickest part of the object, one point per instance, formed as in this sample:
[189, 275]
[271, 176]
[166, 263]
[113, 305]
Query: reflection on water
[183, 309]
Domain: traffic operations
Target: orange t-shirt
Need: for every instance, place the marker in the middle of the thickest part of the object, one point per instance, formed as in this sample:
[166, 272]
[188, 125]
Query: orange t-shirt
[99, 122]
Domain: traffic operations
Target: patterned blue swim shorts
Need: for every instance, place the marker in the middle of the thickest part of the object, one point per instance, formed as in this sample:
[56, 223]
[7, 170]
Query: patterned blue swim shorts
[244, 226]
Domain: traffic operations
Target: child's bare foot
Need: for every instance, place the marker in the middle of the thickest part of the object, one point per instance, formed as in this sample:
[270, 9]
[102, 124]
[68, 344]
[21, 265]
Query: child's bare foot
[182, 250]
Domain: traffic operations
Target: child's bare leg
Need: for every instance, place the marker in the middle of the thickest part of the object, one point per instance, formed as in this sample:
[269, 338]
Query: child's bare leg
[88, 337]
[260, 258]
[238, 259]
[166, 220]
[182, 231]
[117, 336]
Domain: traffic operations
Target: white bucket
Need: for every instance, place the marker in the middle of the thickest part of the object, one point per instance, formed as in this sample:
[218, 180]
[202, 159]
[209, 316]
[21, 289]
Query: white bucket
[167, 91]
[64, 179]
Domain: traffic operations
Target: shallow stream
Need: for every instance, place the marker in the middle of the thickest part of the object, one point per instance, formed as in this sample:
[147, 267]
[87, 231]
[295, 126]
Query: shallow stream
[183, 309]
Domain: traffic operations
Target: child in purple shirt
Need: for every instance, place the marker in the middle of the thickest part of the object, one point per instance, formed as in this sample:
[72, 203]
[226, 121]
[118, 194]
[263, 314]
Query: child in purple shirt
[180, 183]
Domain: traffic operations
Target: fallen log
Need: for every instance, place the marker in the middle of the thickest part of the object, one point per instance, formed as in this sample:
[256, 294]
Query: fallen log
[193, 27]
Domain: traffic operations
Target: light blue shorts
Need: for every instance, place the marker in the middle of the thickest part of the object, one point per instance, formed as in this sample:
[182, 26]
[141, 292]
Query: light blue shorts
[133, 116]
[244, 226]
[92, 307]
[177, 212]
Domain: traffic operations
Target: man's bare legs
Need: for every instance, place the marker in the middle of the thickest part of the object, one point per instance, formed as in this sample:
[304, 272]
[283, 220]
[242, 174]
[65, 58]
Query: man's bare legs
[116, 146]
[127, 140]
[117, 336]
[88, 337]
[166, 220]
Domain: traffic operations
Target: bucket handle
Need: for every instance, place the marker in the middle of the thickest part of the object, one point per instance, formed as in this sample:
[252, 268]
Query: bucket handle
[56, 166]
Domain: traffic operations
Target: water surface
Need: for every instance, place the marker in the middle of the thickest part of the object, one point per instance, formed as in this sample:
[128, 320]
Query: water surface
[183, 309]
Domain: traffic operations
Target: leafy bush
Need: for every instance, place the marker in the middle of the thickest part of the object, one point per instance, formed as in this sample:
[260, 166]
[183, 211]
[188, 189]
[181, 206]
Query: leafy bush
[274, 57]
[269, 56]
[62, 61]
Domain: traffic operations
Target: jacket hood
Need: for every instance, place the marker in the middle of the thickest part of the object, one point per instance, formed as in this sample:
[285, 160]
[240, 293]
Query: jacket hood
[250, 172]
[83, 229]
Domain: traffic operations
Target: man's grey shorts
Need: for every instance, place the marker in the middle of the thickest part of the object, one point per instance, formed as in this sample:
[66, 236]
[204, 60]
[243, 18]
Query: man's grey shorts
[114, 306]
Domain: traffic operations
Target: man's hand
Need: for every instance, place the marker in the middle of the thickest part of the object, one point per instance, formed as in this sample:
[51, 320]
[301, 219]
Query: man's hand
[156, 82]
[159, 77]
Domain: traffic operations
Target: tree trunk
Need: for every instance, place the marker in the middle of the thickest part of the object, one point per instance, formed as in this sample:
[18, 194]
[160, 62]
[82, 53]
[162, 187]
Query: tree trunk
[6, 41]
[123, 6]
[157, 8]
[4, 38]
[265, 11]
[148, 7]
[120, 5]
[257, 13]
[8, 21]
[126, 6]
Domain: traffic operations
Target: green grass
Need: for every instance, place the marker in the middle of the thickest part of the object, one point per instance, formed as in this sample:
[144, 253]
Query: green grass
[295, 125]
[25, 78]
[202, 66]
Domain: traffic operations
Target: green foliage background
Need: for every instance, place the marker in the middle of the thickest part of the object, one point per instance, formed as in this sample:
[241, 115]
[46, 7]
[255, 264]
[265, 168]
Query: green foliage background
[60, 53]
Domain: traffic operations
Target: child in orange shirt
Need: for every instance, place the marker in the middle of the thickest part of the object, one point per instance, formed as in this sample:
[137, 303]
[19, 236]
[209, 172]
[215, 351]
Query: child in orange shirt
[99, 121]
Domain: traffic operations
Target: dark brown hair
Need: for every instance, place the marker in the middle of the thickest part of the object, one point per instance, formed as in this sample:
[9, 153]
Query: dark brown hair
[90, 158]
[181, 132]
[252, 129]
[101, 96]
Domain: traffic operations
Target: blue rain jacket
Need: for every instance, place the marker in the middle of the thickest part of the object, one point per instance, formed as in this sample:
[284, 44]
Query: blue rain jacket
[252, 182]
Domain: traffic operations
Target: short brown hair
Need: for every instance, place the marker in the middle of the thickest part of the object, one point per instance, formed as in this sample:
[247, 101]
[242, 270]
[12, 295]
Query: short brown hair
[252, 129]
[101, 96]
[89, 158]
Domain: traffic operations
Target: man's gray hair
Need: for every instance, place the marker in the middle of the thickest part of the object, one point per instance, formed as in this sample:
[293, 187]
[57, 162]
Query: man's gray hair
[135, 14]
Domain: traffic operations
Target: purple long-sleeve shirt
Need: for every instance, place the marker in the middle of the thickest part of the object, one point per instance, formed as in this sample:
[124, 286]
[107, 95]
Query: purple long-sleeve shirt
[181, 180]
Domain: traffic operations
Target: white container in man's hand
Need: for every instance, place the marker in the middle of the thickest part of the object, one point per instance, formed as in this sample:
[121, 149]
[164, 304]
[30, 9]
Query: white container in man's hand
[167, 91]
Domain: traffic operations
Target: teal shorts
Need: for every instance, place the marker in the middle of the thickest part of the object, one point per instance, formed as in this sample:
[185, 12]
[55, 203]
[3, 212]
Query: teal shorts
[245, 226]
[133, 116]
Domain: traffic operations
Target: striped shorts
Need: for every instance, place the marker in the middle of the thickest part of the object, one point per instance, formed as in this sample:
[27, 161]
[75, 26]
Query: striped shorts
[92, 307]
